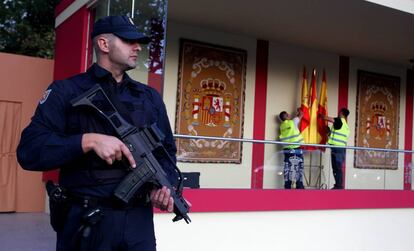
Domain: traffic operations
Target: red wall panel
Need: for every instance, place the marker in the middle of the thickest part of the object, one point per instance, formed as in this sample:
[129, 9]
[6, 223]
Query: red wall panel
[70, 53]
[259, 120]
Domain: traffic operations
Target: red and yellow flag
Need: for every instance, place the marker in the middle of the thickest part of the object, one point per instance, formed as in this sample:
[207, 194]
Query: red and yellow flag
[313, 125]
[304, 122]
[323, 111]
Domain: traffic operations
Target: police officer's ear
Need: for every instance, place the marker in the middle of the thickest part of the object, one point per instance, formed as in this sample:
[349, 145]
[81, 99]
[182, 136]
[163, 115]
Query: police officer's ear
[103, 42]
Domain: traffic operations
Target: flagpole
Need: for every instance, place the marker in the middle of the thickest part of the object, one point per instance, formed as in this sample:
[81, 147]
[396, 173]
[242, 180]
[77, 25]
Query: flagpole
[310, 170]
[319, 182]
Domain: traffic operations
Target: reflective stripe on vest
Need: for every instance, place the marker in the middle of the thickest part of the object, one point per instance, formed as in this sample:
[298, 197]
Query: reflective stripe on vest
[339, 137]
[289, 133]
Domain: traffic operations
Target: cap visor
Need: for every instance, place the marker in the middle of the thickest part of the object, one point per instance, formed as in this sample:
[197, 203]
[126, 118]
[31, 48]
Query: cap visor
[135, 36]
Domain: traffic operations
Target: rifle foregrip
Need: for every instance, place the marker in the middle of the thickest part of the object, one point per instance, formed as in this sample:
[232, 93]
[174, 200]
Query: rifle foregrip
[181, 209]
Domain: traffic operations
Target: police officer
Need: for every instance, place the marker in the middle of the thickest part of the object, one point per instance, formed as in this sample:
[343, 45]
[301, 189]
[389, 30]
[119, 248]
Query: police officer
[91, 159]
[293, 154]
[338, 137]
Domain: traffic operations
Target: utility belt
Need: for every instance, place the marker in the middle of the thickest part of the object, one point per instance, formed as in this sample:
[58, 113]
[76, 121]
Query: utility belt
[111, 202]
[61, 195]
[61, 200]
[92, 177]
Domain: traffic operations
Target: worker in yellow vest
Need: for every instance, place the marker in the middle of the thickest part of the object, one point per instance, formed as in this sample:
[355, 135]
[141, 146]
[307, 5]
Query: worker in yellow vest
[293, 154]
[338, 136]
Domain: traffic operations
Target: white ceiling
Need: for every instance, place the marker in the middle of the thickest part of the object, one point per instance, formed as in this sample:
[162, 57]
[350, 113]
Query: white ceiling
[346, 27]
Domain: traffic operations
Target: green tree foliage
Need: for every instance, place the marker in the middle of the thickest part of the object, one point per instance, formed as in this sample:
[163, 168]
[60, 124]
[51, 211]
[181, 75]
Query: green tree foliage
[27, 27]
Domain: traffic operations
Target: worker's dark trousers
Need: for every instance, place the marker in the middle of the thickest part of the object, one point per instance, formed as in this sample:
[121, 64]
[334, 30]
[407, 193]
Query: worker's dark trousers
[338, 158]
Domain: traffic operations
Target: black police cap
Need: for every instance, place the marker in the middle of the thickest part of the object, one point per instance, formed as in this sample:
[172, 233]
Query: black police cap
[121, 26]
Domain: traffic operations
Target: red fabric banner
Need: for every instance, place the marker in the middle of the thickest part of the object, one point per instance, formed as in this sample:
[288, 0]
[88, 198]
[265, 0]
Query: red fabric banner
[304, 123]
[313, 126]
[323, 111]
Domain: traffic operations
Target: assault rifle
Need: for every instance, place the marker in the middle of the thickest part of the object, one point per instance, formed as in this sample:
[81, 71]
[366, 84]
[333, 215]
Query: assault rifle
[141, 143]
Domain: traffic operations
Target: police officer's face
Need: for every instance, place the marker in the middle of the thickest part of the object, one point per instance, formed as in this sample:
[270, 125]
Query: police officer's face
[124, 53]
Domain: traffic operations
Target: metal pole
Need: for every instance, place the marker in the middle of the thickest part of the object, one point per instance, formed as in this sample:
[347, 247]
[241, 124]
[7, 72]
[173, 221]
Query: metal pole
[132, 9]
[275, 142]
[319, 181]
[310, 170]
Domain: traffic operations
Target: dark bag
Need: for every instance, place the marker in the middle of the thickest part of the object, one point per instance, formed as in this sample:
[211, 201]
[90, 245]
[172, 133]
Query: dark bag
[59, 205]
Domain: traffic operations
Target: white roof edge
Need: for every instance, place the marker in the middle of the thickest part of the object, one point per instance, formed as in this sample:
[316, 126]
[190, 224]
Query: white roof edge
[401, 5]
[69, 11]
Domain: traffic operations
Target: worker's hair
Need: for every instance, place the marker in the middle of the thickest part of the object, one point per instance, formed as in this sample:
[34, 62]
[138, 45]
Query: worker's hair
[345, 112]
[283, 115]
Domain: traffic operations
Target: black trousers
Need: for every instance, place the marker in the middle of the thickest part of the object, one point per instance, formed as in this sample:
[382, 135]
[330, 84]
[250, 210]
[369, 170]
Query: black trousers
[129, 229]
[337, 159]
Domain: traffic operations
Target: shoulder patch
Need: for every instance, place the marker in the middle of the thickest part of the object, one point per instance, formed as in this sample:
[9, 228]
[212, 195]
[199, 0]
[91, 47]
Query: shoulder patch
[45, 96]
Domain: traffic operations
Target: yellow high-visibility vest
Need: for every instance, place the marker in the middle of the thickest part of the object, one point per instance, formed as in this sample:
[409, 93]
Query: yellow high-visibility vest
[289, 133]
[339, 137]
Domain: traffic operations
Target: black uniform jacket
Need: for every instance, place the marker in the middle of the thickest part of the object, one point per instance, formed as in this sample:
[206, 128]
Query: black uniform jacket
[52, 140]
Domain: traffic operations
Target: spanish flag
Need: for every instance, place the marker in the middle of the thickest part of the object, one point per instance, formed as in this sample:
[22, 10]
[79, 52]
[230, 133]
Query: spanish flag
[313, 125]
[323, 111]
[304, 122]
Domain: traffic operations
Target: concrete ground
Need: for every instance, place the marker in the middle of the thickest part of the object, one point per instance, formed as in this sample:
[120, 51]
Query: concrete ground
[26, 232]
